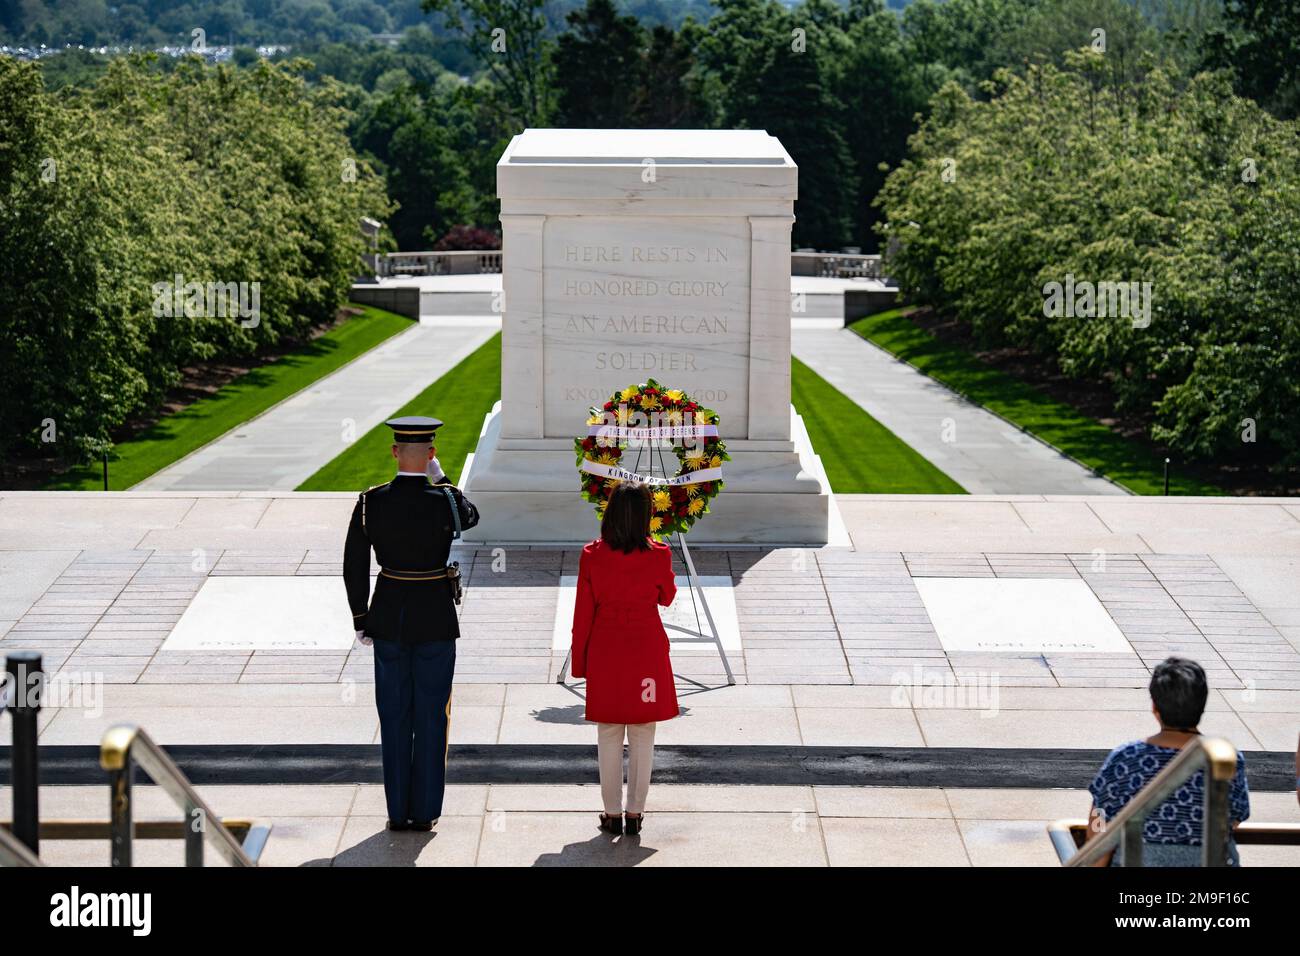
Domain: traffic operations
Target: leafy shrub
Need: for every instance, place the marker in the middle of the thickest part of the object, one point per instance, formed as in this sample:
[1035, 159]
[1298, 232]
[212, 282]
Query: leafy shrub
[1075, 172]
[213, 174]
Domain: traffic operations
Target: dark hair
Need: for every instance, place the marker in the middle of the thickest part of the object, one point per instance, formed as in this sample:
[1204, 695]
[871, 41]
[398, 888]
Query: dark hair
[626, 523]
[1179, 691]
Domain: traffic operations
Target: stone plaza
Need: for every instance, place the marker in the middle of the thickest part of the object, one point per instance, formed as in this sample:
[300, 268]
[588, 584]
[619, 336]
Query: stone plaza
[842, 651]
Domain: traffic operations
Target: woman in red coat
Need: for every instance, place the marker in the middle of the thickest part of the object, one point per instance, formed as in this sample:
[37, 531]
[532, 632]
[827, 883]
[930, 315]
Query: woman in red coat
[620, 646]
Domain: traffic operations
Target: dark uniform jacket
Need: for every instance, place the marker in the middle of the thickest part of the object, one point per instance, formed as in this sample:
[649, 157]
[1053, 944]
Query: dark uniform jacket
[409, 524]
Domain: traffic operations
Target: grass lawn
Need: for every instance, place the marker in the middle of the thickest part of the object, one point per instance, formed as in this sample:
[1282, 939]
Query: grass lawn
[861, 455]
[864, 455]
[461, 398]
[1136, 467]
[175, 436]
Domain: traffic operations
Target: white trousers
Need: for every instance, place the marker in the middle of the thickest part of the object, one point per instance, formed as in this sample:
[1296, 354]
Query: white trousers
[640, 755]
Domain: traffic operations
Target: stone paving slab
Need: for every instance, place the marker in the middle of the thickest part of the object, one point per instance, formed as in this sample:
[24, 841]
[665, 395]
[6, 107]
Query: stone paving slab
[96, 583]
[805, 617]
[185, 708]
[343, 825]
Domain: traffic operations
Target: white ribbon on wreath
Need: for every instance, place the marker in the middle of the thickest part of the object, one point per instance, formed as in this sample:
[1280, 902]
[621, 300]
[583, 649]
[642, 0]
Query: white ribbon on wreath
[622, 474]
[648, 433]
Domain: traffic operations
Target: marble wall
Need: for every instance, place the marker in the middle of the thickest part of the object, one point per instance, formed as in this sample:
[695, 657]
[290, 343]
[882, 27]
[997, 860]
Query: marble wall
[663, 298]
[636, 254]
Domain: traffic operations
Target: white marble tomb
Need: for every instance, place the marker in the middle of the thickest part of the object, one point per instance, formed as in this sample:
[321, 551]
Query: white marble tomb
[632, 254]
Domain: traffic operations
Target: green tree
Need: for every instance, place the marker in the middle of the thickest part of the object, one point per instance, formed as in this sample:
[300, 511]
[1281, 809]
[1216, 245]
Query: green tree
[597, 67]
[509, 40]
[1082, 174]
[110, 192]
[1259, 43]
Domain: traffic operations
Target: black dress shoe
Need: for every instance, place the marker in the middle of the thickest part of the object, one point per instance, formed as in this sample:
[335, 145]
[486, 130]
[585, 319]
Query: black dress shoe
[611, 825]
[394, 825]
[633, 825]
[423, 826]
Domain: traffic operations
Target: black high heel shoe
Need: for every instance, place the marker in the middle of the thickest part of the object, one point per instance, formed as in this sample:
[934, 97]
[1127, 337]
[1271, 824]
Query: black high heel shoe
[632, 824]
[611, 825]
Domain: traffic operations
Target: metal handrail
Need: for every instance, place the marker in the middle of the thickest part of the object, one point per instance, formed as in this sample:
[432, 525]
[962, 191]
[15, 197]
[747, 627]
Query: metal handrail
[1217, 758]
[13, 852]
[125, 746]
[1068, 835]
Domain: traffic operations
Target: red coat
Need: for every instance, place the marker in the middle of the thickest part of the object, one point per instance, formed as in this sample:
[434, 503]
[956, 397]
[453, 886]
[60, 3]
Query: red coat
[619, 642]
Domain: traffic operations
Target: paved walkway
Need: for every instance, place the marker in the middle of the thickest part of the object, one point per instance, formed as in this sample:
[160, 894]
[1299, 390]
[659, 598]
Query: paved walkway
[343, 825]
[287, 444]
[838, 652]
[99, 580]
[834, 618]
[975, 448]
[474, 295]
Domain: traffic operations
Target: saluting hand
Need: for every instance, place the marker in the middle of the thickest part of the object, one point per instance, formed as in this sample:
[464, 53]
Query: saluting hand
[367, 641]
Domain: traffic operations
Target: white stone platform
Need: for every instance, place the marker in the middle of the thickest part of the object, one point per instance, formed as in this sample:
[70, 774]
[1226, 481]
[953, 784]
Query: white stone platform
[711, 826]
[99, 581]
[837, 650]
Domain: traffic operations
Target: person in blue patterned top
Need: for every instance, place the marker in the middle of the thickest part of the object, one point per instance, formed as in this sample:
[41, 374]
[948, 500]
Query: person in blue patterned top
[1172, 836]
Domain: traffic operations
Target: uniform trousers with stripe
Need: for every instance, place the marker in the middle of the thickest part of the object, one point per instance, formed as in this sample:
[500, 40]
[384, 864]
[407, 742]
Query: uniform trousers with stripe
[413, 697]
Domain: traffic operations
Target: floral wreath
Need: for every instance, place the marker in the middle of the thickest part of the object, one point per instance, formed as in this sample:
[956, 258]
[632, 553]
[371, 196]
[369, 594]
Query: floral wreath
[678, 500]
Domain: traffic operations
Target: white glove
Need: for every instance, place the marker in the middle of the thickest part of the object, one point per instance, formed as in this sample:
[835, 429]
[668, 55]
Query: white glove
[367, 641]
[434, 469]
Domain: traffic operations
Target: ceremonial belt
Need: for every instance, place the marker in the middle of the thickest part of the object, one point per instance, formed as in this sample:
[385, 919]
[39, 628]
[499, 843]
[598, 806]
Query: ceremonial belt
[437, 574]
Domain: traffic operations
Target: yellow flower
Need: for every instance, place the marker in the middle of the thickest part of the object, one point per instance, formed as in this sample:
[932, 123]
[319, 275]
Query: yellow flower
[662, 500]
[596, 419]
[692, 490]
[695, 458]
[628, 393]
[675, 394]
[624, 413]
[607, 458]
[716, 462]
[673, 416]
[649, 401]
[655, 524]
[696, 506]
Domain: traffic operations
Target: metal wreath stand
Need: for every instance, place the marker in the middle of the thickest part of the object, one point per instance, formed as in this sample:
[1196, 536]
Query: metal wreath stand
[698, 599]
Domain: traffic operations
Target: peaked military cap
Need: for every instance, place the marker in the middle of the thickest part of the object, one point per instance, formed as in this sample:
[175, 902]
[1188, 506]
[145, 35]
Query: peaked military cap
[413, 428]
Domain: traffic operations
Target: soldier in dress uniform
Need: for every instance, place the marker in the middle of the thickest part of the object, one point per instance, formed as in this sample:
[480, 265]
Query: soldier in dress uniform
[411, 620]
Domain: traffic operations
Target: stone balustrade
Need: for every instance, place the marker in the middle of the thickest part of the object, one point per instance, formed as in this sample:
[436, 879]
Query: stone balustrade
[826, 264]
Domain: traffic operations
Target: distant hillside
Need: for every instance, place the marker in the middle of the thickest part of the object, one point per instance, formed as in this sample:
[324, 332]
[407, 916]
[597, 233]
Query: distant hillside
[254, 22]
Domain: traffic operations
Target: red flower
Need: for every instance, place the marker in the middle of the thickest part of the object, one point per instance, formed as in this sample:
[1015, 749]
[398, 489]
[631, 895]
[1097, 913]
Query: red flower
[677, 493]
[593, 488]
[588, 444]
[609, 406]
